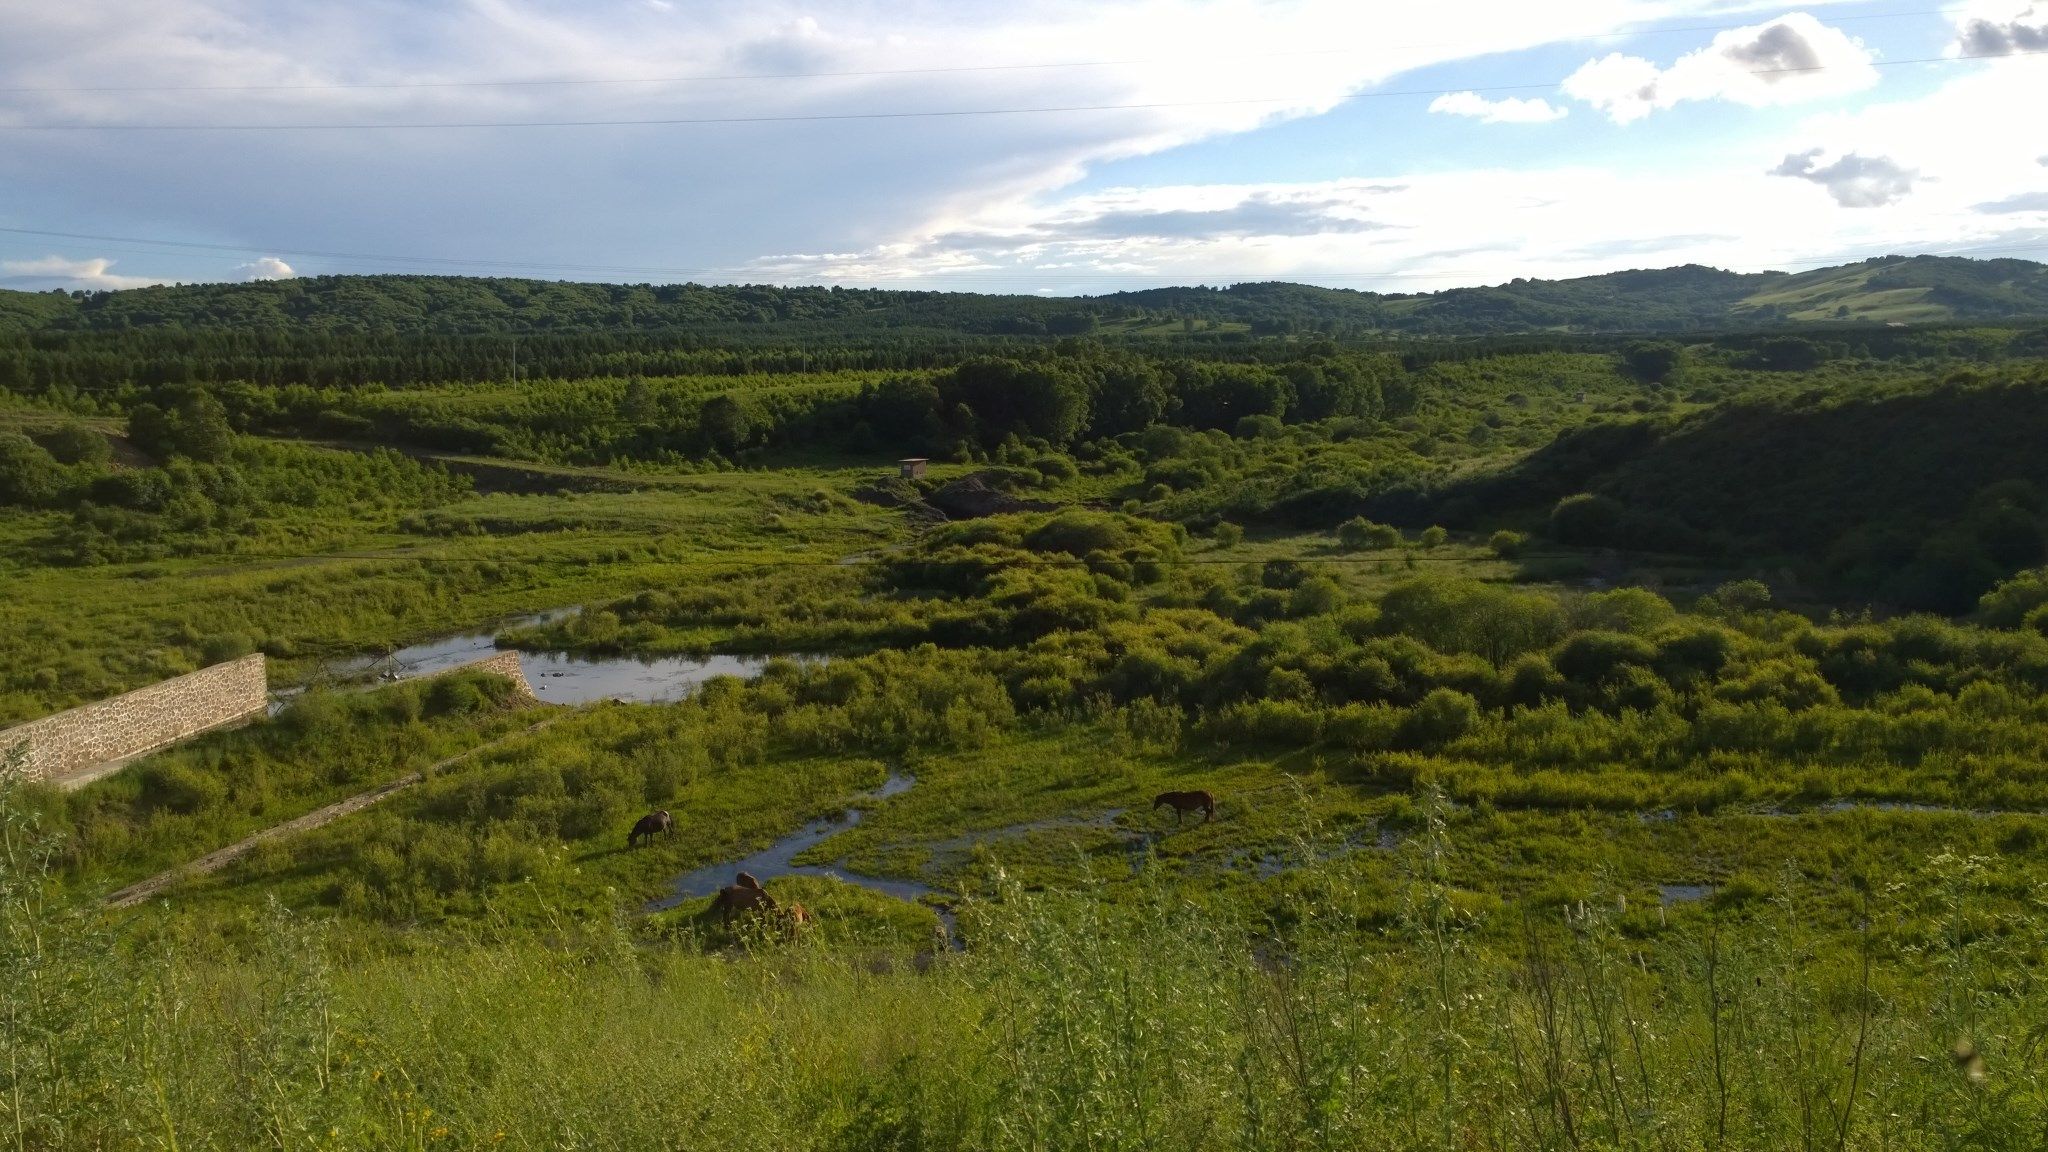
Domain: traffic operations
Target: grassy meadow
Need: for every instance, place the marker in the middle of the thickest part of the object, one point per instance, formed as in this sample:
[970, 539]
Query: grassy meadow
[1598, 763]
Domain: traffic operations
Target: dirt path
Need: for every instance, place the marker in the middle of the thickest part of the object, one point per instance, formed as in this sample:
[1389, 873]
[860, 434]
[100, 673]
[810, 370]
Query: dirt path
[214, 861]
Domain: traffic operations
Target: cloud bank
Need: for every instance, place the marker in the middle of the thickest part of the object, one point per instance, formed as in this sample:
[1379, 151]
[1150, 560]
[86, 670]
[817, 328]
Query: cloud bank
[46, 272]
[1221, 141]
[1790, 60]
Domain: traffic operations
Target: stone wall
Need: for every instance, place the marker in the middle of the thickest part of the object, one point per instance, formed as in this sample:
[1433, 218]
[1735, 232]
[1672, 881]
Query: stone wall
[128, 725]
[505, 664]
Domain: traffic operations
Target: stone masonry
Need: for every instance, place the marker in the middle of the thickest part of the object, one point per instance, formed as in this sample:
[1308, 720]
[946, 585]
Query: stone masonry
[504, 664]
[143, 720]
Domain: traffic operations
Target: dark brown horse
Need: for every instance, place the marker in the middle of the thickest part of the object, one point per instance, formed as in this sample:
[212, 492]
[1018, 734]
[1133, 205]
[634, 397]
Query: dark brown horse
[1184, 802]
[650, 824]
[734, 899]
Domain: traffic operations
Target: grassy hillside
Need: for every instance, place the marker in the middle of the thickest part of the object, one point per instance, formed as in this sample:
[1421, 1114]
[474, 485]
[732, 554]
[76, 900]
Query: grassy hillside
[1924, 288]
[1690, 298]
[1918, 496]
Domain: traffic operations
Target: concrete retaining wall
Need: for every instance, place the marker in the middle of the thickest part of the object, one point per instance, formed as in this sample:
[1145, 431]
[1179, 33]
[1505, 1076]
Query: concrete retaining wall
[146, 719]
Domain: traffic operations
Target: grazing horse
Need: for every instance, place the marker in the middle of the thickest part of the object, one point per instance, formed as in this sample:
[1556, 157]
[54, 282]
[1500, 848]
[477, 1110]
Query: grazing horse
[1184, 802]
[746, 880]
[734, 899]
[798, 916]
[650, 824]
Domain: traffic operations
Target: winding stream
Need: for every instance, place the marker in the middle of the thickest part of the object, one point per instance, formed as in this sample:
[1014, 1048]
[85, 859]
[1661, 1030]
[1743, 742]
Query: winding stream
[778, 859]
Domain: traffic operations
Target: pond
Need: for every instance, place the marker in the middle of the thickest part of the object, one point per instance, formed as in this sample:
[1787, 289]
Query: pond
[560, 677]
[778, 859]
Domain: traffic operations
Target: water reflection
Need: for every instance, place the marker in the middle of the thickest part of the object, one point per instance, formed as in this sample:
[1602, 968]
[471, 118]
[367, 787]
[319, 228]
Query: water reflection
[560, 677]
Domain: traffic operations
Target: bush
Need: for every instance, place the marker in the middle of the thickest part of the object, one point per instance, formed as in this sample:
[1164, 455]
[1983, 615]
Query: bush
[1433, 537]
[1507, 545]
[1352, 533]
[1360, 533]
[1078, 533]
[1260, 428]
[1316, 596]
[2015, 600]
[1591, 657]
[1654, 362]
[74, 443]
[1441, 717]
[1227, 535]
[1637, 611]
[1586, 520]
[29, 476]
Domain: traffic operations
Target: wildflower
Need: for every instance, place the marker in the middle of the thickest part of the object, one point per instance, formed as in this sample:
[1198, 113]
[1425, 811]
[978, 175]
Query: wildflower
[1969, 1060]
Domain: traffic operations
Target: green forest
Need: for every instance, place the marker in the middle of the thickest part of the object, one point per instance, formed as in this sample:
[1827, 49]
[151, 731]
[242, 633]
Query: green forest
[1614, 735]
[1685, 299]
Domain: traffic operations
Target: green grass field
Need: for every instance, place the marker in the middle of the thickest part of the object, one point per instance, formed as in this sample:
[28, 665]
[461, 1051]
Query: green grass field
[1606, 833]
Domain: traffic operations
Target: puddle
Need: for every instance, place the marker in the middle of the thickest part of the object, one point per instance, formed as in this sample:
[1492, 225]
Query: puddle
[778, 859]
[560, 677]
[964, 844]
[1669, 894]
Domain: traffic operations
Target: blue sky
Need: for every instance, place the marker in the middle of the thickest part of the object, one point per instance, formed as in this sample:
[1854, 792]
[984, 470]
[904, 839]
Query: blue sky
[1206, 142]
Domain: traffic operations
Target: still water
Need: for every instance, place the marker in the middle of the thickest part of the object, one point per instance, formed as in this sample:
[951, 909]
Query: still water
[560, 677]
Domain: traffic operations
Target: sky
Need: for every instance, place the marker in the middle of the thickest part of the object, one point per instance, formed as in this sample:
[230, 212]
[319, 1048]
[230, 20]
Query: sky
[1028, 146]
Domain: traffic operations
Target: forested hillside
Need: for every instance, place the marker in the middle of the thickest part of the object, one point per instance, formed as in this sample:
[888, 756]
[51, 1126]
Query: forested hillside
[1691, 298]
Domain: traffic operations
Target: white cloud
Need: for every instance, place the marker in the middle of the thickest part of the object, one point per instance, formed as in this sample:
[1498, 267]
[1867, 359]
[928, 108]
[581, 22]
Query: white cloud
[1854, 180]
[1512, 110]
[682, 198]
[972, 202]
[63, 272]
[1789, 60]
[1472, 224]
[1998, 29]
[264, 268]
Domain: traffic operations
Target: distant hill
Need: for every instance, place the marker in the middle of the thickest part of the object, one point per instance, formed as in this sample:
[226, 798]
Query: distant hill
[1689, 298]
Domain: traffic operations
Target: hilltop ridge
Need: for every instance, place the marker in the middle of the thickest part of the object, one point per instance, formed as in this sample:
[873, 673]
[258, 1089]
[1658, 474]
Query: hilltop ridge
[1686, 298]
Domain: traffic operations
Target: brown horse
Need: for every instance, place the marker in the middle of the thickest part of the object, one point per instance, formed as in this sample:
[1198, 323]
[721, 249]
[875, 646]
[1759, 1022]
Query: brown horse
[734, 899]
[746, 880]
[650, 824]
[1184, 802]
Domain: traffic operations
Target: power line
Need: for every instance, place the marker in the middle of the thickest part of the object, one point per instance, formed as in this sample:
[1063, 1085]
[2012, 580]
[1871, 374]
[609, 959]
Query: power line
[863, 73]
[925, 114]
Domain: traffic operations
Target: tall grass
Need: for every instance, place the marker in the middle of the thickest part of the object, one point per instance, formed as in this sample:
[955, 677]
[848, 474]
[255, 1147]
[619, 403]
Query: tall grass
[1069, 1022]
